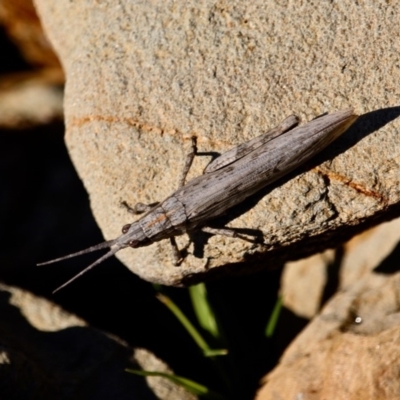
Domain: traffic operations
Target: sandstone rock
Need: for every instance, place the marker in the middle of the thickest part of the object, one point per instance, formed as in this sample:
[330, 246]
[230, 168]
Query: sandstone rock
[305, 281]
[349, 351]
[142, 78]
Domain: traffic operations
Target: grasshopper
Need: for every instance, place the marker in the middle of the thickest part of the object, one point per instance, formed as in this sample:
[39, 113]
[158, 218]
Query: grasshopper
[226, 181]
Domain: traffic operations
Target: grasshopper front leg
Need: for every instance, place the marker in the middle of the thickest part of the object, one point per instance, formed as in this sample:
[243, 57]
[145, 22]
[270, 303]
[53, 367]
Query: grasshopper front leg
[140, 208]
[176, 254]
[188, 162]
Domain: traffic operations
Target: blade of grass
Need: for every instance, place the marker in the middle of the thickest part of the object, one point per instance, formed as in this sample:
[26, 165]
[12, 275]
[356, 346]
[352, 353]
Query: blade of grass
[193, 332]
[203, 310]
[188, 384]
[273, 319]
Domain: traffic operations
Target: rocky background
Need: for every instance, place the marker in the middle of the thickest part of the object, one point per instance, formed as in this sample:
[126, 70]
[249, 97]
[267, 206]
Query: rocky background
[141, 78]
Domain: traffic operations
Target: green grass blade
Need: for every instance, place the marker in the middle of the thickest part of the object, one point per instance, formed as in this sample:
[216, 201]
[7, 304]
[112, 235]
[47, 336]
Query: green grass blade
[215, 352]
[203, 310]
[193, 332]
[273, 319]
[188, 384]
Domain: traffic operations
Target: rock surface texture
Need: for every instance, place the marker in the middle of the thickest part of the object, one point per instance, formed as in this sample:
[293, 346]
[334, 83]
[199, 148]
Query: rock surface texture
[350, 349]
[143, 77]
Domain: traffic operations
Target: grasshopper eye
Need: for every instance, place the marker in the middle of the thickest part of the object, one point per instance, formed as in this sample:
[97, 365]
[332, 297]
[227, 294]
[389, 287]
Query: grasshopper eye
[125, 228]
[133, 243]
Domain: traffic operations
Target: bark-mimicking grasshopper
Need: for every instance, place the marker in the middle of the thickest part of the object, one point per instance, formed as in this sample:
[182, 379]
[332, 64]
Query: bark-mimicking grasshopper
[227, 181]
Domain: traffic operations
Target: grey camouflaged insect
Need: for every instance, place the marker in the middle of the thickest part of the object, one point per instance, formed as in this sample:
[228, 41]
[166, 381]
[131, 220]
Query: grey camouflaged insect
[227, 181]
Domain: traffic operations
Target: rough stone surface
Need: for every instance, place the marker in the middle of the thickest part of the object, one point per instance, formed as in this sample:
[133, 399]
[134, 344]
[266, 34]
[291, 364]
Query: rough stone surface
[47, 353]
[373, 250]
[163, 388]
[350, 351]
[143, 77]
[305, 281]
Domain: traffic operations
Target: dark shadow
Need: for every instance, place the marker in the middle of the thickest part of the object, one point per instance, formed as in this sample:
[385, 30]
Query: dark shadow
[365, 125]
[212, 154]
[11, 60]
[332, 281]
[243, 307]
[200, 238]
[391, 264]
[75, 362]
[45, 213]
[288, 327]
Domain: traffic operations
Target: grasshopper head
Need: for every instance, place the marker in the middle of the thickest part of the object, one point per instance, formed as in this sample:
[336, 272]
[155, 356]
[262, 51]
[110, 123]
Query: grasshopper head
[132, 236]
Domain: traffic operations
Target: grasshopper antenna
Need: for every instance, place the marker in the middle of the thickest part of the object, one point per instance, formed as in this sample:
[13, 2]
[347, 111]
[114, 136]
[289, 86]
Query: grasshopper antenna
[97, 262]
[109, 243]
[96, 247]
